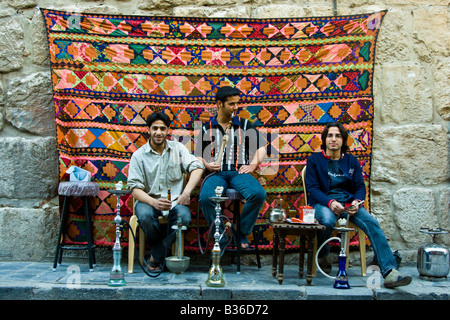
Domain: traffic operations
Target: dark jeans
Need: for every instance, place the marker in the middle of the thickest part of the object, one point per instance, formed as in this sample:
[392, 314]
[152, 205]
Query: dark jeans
[160, 237]
[252, 191]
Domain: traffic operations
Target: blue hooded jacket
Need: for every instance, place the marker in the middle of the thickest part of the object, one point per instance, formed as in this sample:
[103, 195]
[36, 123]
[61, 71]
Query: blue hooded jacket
[318, 182]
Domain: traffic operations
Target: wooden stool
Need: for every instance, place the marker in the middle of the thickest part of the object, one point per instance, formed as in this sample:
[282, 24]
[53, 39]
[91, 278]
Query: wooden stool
[306, 231]
[76, 189]
[237, 197]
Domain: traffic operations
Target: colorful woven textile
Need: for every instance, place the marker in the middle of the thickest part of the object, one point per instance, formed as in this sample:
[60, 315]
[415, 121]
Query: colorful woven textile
[110, 72]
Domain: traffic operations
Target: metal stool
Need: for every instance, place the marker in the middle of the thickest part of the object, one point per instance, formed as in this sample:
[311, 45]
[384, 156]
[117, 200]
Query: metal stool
[237, 197]
[76, 189]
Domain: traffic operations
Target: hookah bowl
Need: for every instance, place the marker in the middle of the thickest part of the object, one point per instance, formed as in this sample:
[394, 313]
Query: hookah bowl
[117, 275]
[215, 274]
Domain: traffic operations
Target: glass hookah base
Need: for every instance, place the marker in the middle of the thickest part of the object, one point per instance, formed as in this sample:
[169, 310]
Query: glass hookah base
[116, 280]
[215, 283]
[341, 284]
[341, 281]
[215, 277]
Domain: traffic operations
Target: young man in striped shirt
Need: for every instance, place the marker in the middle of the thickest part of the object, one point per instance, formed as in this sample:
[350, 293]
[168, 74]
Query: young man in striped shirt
[243, 151]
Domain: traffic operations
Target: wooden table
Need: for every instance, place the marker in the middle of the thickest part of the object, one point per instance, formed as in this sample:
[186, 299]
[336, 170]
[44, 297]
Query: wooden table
[306, 232]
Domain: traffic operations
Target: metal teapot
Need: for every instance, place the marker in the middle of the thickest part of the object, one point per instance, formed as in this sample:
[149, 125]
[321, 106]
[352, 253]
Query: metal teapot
[277, 214]
[432, 258]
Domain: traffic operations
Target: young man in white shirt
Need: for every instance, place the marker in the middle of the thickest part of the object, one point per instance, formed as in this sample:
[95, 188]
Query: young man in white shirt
[154, 168]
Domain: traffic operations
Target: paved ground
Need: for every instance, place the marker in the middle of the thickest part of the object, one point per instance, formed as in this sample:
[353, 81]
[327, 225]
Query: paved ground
[72, 281]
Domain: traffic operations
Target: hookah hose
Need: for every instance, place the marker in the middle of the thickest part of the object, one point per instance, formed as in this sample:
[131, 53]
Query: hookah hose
[316, 258]
[136, 252]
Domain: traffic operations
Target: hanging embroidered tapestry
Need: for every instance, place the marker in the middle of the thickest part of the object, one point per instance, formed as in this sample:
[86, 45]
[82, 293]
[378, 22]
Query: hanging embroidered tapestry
[109, 72]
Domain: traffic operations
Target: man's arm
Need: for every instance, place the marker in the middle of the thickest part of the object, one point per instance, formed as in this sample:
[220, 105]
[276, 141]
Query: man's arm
[194, 178]
[210, 166]
[159, 204]
[259, 156]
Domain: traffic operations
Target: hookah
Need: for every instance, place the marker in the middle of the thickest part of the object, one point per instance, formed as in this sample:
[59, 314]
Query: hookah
[341, 279]
[215, 274]
[116, 276]
[179, 263]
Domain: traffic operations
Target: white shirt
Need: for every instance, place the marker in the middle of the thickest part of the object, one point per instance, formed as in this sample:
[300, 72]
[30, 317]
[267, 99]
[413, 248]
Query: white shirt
[154, 173]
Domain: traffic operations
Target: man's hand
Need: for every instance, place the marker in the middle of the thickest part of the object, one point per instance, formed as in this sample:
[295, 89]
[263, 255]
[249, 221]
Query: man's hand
[247, 168]
[161, 204]
[184, 199]
[351, 210]
[212, 166]
[336, 207]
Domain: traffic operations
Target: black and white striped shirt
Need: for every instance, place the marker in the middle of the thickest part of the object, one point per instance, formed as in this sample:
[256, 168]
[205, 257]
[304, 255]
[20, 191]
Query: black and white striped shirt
[243, 141]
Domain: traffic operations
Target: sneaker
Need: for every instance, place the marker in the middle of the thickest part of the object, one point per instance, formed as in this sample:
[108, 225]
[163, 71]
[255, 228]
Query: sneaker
[395, 279]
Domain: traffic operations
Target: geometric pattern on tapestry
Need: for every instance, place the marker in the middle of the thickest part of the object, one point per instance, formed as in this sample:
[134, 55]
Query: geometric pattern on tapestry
[109, 72]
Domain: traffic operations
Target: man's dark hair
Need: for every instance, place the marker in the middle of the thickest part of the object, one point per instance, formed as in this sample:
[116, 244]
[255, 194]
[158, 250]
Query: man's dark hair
[343, 132]
[158, 116]
[224, 92]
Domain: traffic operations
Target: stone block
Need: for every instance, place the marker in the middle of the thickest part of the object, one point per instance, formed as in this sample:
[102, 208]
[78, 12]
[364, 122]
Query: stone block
[394, 40]
[29, 104]
[11, 44]
[410, 154]
[29, 168]
[406, 94]
[2, 105]
[415, 208]
[431, 29]
[27, 233]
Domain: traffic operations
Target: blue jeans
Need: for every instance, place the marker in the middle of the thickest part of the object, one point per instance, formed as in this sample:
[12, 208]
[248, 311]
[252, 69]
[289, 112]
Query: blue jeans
[252, 191]
[364, 220]
[160, 237]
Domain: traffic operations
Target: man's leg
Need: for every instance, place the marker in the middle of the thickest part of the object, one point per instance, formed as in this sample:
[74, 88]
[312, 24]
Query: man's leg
[364, 220]
[207, 191]
[160, 237]
[381, 248]
[327, 218]
[148, 221]
[254, 195]
[170, 236]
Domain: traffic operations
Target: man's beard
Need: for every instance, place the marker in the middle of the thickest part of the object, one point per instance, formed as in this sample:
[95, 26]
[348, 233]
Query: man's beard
[158, 144]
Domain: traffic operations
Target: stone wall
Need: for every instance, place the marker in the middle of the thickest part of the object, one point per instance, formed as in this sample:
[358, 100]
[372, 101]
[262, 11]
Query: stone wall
[412, 111]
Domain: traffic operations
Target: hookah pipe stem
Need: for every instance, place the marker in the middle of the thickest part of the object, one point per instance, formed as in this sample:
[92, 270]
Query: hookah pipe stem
[224, 141]
[178, 237]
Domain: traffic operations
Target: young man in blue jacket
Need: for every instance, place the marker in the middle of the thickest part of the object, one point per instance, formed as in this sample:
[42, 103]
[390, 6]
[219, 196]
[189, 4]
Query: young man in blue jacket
[335, 184]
